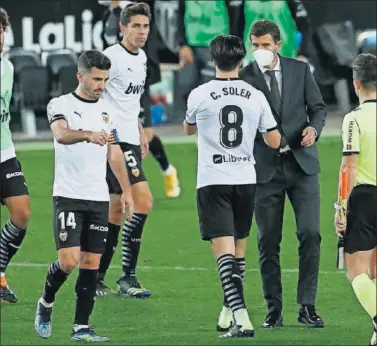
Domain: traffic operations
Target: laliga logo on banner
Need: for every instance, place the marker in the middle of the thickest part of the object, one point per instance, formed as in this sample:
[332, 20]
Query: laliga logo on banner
[62, 35]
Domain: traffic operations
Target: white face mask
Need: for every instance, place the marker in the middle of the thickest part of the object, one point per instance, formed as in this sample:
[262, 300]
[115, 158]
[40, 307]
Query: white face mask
[264, 57]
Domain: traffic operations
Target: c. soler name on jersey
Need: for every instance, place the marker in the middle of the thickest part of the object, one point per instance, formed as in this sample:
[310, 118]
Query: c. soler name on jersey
[232, 91]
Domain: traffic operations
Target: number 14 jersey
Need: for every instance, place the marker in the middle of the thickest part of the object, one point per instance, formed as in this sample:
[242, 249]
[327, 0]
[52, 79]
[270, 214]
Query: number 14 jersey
[228, 113]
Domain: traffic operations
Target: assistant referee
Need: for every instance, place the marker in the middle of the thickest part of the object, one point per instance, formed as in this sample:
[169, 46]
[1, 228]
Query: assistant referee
[359, 159]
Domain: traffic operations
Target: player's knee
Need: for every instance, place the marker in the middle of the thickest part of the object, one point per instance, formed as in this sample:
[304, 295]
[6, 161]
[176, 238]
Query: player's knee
[116, 216]
[144, 203]
[89, 260]
[68, 259]
[115, 213]
[21, 216]
[67, 265]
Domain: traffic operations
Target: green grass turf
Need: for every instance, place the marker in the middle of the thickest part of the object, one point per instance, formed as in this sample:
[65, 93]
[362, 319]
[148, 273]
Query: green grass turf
[185, 302]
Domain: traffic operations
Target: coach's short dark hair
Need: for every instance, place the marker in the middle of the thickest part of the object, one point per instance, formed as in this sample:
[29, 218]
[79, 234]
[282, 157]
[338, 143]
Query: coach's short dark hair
[364, 70]
[4, 19]
[265, 27]
[93, 58]
[134, 9]
[227, 51]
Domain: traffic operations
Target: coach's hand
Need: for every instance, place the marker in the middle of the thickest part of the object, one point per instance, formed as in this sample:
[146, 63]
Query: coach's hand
[340, 226]
[100, 138]
[127, 202]
[144, 146]
[309, 137]
[186, 56]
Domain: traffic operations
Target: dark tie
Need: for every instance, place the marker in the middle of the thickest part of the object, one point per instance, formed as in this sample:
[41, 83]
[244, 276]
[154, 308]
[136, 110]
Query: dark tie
[275, 93]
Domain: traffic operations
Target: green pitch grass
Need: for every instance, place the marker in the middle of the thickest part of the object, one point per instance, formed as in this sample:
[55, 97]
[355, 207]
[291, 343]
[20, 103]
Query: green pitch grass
[180, 271]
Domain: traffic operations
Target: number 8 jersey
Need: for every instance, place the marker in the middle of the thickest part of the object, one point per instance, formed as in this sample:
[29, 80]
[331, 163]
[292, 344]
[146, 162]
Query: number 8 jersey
[227, 113]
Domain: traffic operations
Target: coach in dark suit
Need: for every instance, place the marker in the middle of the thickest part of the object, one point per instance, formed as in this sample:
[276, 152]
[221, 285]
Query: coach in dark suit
[293, 170]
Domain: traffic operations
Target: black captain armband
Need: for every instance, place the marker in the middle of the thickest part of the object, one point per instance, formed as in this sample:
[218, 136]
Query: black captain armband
[113, 138]
[56, 117]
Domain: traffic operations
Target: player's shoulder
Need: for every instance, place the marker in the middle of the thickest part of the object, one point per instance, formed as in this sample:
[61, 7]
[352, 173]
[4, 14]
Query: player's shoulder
[199, 92]
[59, 102]
[350, 117]
[110, 51]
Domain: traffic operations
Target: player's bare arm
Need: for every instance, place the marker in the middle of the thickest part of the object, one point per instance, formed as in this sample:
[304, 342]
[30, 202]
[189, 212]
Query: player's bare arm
[189, 129]
[64, 135]
[117, 163]
[272, 138]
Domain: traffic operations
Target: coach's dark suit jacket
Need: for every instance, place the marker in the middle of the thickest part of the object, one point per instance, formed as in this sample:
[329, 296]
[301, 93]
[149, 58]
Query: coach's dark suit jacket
[302, 106]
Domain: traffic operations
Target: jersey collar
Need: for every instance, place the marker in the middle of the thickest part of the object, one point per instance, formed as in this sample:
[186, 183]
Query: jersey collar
[227, 79]
[127, 50]
[82, 99]
[370, 101]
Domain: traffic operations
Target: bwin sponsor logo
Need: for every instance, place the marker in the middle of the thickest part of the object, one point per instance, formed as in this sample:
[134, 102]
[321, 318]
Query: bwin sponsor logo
[135, 89]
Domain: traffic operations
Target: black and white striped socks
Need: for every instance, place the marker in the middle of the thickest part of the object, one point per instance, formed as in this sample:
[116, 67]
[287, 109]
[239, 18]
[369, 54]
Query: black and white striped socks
[11, 238]
[131, 241]
[231, 282]
[232, 285]
[241, 264]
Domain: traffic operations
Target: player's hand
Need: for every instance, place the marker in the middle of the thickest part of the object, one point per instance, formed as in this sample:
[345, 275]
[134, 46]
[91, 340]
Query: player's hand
[144, 146]
[340, 226]
[308, 137]
[186, 56]
[101, 138]
[127, 202]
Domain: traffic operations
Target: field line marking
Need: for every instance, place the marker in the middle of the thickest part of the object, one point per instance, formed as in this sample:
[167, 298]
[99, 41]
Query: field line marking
[49, 145]
[167, 268]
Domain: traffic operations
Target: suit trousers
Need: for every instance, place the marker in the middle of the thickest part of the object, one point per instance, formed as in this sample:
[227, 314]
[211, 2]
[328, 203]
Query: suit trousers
[303, 193]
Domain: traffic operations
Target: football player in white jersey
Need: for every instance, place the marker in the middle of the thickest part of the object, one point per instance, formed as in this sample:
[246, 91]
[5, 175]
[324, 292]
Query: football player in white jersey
[126, 85]
[227, 113]
[84, 139]
[14, 192]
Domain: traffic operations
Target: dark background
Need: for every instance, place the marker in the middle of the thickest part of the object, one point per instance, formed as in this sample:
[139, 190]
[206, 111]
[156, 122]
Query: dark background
[361, 12]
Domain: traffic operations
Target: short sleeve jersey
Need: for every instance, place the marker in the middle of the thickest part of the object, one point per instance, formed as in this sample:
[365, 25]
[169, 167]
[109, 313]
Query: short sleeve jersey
[126, 85]
[80, 169]
[228, 113]
[359, 137]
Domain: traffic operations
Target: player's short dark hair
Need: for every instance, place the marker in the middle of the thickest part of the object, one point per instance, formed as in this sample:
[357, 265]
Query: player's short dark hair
[134, 9]
[4, 19]
[93, 58]
[227, 51]
[364, 70]
[265, 27]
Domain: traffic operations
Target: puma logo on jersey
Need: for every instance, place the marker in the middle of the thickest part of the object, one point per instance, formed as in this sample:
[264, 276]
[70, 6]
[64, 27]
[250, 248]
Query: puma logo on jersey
[135, 89]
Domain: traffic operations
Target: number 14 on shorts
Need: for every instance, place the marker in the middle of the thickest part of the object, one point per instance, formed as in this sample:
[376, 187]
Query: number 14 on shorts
[67, 220]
